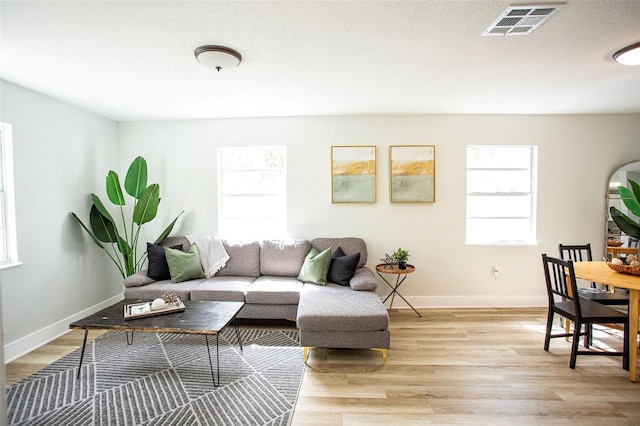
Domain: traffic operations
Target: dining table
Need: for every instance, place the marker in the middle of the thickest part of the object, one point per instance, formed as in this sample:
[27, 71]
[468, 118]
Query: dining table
[599, 272]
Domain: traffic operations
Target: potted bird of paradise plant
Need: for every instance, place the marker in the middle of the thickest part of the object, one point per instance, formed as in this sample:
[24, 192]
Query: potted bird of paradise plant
[119, 240]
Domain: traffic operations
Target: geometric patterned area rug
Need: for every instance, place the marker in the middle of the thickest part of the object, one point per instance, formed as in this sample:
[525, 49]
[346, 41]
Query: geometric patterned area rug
[165, 379]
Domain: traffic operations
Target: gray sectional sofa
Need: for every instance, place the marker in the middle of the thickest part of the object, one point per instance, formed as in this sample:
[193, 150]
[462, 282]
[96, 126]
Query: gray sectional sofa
[264, 275]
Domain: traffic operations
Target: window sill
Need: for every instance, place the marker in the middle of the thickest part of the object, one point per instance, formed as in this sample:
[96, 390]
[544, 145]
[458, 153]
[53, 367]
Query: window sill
[505, 243]
[10, 265]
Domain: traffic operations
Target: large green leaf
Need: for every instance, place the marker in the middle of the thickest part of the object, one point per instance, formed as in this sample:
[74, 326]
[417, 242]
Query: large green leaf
[124, 247]
[101, 208]
[635, 186]
[629, 199]
[93, 237]
[625, 223]
[114, 190]
[147, 205]
[99, 244]
[168, 230]
[135, 181]
[103, 228]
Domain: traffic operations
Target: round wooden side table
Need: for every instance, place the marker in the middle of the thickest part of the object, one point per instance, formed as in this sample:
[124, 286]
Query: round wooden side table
[401, 275]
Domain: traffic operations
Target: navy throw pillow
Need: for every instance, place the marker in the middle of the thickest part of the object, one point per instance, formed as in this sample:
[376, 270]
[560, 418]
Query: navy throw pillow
[342, 267]
[158, 266]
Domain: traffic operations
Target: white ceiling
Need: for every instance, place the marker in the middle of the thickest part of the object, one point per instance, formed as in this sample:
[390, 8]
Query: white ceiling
[133, 60]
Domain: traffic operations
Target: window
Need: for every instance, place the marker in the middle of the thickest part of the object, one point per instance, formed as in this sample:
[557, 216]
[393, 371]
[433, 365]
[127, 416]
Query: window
[501, 194]
[252, 192]
[8, 242]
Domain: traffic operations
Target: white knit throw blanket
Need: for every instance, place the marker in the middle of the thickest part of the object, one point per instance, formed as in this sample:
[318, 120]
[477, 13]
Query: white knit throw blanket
[213, 256]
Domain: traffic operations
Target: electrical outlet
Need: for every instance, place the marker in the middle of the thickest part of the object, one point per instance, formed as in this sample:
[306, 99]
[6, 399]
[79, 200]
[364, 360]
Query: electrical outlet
[495, 273]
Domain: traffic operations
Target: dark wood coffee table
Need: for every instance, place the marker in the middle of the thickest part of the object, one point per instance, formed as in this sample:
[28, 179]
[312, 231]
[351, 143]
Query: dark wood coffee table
[199, 317]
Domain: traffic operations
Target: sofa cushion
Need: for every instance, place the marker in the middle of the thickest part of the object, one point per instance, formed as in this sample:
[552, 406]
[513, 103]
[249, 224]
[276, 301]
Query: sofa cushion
[158, 288]
[349, 245]
[138, 279]
[270, 290]
[258, 311]
[363, 280]
[342, 267]
[224, 289]
[184, 266]
[339, 308]
[283, 258]
[244, 259]
[315, 267]
[158, 269]
[176, 240]
[345, 339]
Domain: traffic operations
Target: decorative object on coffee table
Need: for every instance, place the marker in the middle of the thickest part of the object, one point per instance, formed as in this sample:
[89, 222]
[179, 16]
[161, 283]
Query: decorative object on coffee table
[170, 297]
[151, 309]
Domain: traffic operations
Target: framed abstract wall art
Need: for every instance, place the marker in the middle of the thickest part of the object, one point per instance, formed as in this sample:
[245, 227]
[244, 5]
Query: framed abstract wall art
[412, 169]
[353, 174]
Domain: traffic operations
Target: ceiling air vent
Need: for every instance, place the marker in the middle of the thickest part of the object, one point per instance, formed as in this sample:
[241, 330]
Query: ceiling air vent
[521, 19]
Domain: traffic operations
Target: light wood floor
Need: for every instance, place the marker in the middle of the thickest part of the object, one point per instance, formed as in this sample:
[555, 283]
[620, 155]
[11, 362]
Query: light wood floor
[452, 366]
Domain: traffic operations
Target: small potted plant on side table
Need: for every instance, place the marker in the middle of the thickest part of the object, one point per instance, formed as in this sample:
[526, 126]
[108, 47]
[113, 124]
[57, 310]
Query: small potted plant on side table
[402, 256]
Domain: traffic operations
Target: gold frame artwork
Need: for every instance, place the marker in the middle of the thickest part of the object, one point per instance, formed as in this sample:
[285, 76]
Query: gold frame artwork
[412, 173]
[353, 174]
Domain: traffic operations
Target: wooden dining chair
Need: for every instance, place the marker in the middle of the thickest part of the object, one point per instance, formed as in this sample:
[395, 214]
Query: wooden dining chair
[582, 253]
[562, 290]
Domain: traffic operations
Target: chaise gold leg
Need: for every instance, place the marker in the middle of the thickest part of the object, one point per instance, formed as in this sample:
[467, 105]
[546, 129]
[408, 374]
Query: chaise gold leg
[383, 351]
[306, 352]
[384, 354]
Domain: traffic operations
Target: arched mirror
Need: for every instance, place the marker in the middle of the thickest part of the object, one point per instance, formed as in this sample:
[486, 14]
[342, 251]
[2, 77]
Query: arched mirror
[616, 242]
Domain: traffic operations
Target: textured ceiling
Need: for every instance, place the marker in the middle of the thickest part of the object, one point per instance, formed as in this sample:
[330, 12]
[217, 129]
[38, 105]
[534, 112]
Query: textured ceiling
[133, 60]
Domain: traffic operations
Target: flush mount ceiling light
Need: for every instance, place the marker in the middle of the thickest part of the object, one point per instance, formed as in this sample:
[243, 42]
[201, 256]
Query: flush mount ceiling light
[629, 55]
[218, 57]
[521, 19]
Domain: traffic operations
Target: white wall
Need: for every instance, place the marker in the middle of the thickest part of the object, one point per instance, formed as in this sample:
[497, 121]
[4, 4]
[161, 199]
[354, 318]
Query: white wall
[576, 155]
[61, 154]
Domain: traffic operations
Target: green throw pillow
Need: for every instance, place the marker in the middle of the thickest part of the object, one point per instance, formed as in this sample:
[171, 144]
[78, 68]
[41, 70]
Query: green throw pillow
[315, 267]
[184, 266]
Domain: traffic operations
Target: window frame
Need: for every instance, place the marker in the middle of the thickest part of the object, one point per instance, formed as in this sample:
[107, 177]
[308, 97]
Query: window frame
[277, 216]
[532, 194]
[7, 198]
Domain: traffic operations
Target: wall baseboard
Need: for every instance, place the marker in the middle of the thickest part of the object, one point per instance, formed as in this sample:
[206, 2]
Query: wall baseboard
[22, 346]
[426, 302]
